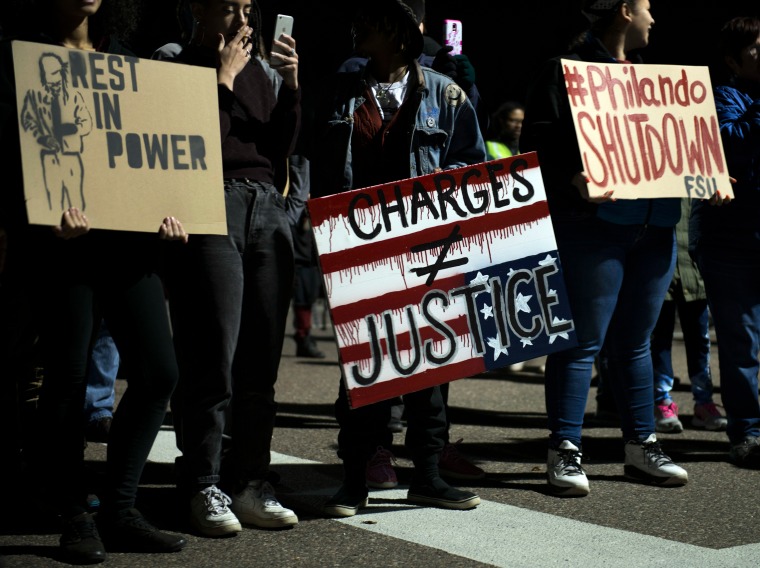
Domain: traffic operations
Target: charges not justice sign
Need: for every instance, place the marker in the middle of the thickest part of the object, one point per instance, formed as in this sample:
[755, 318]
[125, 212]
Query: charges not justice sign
[128, 141]
[441, 277]
[647, 130]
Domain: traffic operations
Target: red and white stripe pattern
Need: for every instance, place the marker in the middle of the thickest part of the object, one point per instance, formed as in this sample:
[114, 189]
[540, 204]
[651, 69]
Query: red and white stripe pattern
[374, 277]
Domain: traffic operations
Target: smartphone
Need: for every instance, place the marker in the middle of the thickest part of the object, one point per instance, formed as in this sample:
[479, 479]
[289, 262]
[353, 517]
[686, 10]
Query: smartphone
[283, 25]
[452, 35]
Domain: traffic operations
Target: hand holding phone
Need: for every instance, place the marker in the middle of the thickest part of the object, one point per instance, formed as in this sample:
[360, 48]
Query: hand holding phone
[452, 35]
[283, 26]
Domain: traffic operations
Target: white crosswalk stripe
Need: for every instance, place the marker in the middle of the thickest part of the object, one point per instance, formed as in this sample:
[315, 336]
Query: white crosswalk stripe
[503, 535]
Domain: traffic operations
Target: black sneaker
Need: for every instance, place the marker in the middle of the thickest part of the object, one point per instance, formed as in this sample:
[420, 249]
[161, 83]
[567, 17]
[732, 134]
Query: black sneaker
[80, 541]
[346, 502]
[438, 493]
[747, 453]
[128, 531]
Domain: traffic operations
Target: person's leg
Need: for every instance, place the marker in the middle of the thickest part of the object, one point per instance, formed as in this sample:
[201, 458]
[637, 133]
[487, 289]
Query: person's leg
[267, 292]
[649, 265]
[592, 264]
[665, 410]
[101, 381]
[65, 338]
[267, 289]
[205, 283]
[305, 293]
[134, 309]
[732, 282]
[695, 322]
[362, 431]
[662, 352]
[648, 271]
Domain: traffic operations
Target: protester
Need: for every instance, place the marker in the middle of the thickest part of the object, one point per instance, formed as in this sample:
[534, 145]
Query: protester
[726, 241]
[229, 295]
[374, 116]
[617, 258]
[506, 126]
[82, 275]
[686, 295]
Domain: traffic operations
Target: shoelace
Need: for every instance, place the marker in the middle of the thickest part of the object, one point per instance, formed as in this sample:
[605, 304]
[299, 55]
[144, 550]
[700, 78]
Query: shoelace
[654, 453]
[85, 528]
[267, 495]
[216, 501]
[570, 462]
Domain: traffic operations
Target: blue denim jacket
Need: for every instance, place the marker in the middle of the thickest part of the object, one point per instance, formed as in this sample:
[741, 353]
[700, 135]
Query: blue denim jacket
[445, 134]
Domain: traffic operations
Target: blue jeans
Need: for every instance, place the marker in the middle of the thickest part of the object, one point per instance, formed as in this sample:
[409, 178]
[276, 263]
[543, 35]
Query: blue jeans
[229, 298]
[732, 282]
[694, 319]
[616, 278]
[101, 377]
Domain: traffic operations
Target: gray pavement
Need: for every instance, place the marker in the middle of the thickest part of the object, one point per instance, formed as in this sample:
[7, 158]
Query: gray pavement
[500, 417]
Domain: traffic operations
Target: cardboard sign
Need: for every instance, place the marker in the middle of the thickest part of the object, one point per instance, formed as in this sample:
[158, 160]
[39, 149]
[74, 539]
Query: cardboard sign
[441, 277]
[128, 141]
[647, 130]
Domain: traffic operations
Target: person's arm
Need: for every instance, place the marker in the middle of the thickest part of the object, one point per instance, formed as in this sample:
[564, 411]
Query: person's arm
[739, 122]
[466, 145]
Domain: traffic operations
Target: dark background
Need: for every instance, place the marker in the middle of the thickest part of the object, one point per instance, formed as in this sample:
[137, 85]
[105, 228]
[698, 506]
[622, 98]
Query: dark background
[505, 40]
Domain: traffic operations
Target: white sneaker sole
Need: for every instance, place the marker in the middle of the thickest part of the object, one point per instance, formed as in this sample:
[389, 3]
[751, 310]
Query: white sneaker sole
[344, 510]
[632, 472]
[568, 490]
[266, 523]
[216, 530]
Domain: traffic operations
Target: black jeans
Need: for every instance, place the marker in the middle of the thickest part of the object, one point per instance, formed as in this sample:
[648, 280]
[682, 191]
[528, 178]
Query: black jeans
[365, 428]
[229, 300]
[109, 276]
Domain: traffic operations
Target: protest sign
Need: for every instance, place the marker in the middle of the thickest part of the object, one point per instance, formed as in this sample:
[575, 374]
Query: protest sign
[441, 277]
[128, 141]
[647, 130]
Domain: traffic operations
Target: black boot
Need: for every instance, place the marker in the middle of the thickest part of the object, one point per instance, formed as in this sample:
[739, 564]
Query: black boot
[128, 531]
[80, 541]
[307, 347]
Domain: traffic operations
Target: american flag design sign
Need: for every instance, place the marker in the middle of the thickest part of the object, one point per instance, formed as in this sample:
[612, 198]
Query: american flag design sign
[441, 277]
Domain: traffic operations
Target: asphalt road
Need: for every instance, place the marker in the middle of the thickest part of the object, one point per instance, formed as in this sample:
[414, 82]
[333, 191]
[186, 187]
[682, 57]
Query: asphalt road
[500, 417]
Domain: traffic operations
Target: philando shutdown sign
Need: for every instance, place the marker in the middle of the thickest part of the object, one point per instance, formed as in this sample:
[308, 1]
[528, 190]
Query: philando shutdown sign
[128, 141]
[441, 277]
[647, 130]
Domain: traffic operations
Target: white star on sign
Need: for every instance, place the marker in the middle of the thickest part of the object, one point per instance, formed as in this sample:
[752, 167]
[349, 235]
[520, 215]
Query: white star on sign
[481, 279]
[497, 348]
[521, 303]
[526, 342]
[547, 261]
[487, 311]
[563, 335]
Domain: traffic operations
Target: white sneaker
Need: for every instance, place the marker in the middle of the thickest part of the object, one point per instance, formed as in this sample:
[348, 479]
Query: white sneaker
[257, 505]
[564, 472]
[647, 462]
[210, 514]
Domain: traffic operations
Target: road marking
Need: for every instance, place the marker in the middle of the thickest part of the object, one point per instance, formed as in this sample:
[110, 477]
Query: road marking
[503, 535]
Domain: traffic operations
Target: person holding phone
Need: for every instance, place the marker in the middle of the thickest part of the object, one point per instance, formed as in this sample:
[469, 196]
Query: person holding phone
[388, 118]
[230, 295]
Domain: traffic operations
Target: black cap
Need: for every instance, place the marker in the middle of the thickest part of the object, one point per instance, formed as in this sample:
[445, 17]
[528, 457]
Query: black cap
[401, 12]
